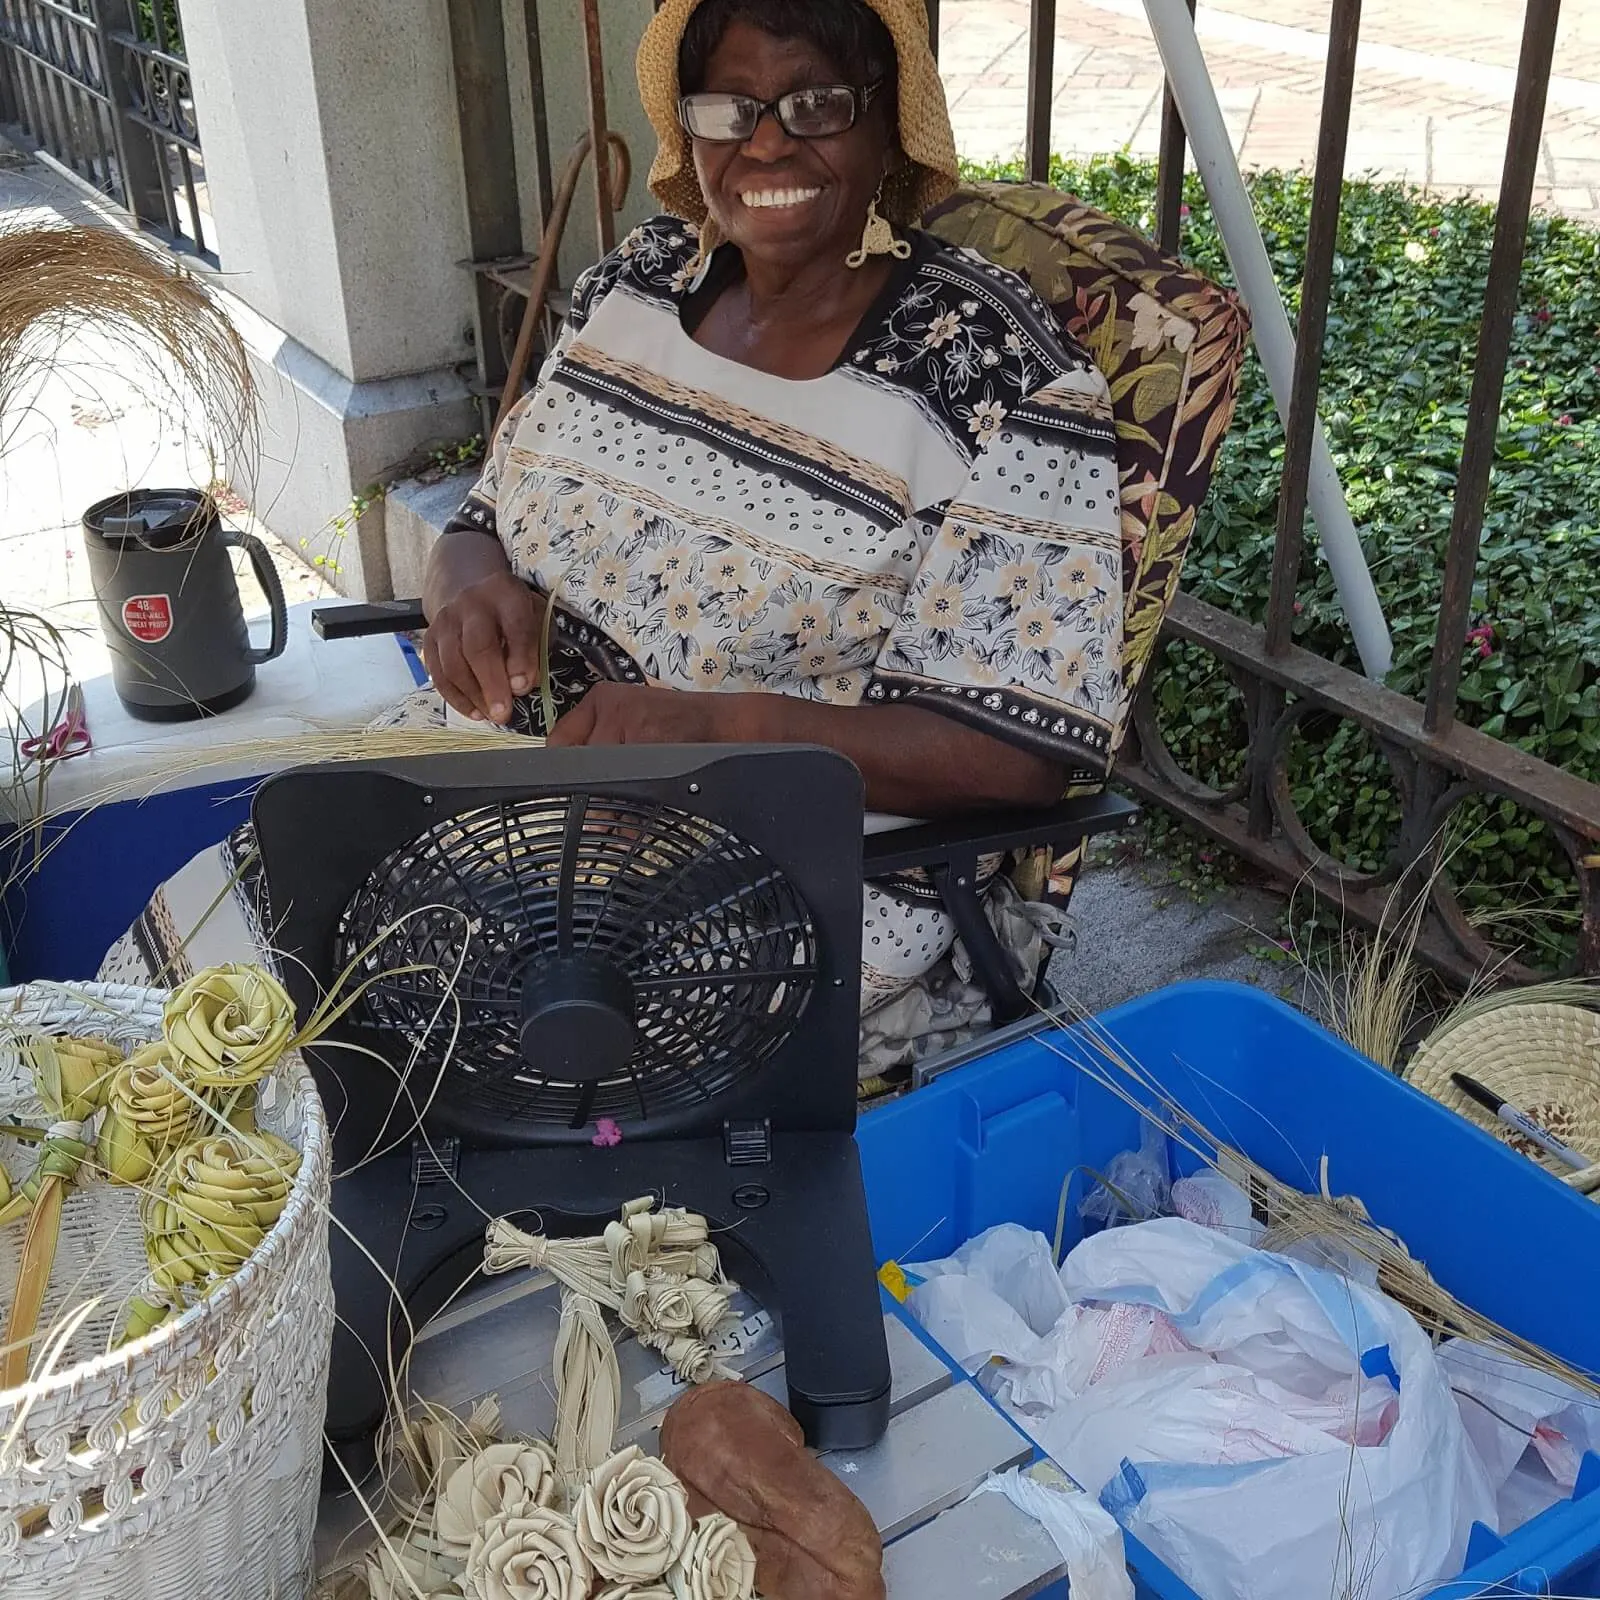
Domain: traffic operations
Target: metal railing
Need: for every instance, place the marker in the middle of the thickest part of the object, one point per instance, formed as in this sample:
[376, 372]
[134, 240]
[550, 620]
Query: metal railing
[1437, 762]
[101, 88]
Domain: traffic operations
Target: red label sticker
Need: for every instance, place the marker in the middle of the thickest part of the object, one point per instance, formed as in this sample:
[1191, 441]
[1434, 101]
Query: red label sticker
[148, 617]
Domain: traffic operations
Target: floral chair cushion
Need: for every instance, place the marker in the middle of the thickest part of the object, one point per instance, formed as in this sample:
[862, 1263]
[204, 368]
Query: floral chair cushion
[1171, 344]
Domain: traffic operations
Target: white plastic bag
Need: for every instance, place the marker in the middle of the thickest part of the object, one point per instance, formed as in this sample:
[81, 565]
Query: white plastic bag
[1531, 1430]
[1088, 1538]
[1268, 1429]
[1210, 1200]
[998, 1308]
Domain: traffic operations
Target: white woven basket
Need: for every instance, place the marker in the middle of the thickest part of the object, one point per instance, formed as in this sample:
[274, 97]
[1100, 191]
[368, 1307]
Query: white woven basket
[184, 1466]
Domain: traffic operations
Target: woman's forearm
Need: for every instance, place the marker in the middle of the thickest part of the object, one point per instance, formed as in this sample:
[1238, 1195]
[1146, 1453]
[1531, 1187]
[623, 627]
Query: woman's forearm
[916, 763]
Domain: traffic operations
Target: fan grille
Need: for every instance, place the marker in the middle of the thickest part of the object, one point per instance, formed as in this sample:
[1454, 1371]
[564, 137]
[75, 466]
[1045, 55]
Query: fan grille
[717, 943]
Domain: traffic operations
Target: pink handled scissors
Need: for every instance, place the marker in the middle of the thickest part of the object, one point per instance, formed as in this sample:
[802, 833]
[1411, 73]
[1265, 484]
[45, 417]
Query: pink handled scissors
[69, 737]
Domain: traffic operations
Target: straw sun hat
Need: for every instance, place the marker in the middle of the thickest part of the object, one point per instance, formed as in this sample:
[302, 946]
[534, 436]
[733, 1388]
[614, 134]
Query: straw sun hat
[1542, 1057]
[908, 193]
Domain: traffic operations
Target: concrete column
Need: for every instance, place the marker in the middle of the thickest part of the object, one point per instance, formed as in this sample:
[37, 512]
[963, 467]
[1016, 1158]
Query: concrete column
[334, 171]
[415, 513]
[333, 164]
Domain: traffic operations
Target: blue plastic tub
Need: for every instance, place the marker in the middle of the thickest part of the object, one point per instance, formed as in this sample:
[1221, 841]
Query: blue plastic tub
[994, 1141]
[98, 871]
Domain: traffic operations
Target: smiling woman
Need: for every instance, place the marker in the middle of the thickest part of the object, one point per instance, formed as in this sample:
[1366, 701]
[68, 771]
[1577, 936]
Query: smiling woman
[797, 473]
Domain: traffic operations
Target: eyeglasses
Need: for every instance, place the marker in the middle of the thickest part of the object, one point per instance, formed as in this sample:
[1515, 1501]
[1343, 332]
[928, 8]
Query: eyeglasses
[819, 113]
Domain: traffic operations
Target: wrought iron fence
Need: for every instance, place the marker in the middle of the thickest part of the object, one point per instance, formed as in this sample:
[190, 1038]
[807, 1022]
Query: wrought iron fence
[102, 88]
[1438, 763]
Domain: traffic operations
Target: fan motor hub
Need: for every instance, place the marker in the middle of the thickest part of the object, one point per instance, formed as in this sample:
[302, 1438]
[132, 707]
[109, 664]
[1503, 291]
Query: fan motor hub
[577, 1018]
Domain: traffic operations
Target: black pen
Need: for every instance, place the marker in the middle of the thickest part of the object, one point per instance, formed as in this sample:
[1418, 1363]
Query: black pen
[1521, 1121]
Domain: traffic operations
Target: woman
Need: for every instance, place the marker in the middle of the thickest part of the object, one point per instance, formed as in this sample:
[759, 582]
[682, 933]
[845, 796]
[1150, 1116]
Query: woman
[797, 473]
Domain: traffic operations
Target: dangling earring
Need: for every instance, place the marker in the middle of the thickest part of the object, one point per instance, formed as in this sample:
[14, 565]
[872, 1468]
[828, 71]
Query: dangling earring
[878, 239]
[710, 237]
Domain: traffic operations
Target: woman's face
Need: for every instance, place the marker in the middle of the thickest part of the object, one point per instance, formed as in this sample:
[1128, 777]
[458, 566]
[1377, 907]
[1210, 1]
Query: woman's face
[781, 200]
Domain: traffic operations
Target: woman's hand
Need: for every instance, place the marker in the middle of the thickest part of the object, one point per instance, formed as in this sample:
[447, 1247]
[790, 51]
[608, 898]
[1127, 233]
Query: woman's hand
[482, 643]
[637, 713]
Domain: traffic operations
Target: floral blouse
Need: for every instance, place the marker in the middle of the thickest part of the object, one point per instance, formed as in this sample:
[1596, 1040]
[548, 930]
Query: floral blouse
[933, 522]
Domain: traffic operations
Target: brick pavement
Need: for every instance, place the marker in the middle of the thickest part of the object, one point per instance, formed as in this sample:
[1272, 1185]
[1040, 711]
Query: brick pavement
[1431, 103]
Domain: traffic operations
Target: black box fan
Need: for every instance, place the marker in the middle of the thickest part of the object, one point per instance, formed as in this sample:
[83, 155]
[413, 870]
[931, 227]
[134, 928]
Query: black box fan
[665, 938]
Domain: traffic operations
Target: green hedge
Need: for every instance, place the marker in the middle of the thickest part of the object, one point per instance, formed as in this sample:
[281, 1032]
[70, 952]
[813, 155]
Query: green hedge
[1403, 323]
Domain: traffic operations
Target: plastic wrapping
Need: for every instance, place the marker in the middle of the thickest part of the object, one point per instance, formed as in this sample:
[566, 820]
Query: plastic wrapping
[1267, 1428]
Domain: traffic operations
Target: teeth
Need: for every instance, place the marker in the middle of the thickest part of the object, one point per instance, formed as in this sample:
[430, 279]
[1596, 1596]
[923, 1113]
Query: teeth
[765, 199]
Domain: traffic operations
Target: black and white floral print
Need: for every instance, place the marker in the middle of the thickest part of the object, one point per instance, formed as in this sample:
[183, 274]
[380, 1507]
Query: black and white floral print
[933, 522]
[996, 600]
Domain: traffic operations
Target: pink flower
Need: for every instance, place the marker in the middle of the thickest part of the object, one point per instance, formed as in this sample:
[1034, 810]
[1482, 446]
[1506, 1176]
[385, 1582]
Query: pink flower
[1542, 314]
[607, 1134]
[1299, 606]
[1564, 420]
[1483, 637]
[1183, 211]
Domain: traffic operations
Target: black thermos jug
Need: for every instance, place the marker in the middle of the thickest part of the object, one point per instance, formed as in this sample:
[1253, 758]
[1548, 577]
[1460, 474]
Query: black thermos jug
[169, 604]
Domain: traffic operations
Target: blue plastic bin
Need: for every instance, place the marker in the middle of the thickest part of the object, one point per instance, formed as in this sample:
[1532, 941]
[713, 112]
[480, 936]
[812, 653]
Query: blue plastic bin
[68, 906]
[994, 1141]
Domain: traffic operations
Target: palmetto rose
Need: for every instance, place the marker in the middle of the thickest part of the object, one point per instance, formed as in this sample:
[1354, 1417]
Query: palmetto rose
[71, 1078]
[228, 1026]
[150, 1112]
[224, 1195]
[692, 1360]
[120, 1153]
[507, 1479]
[657, 1302]
[671, 1239]
[534, 1556]
[717, 1565]
[71, 1075]
[434, 1441]
[633, 1518]
[176, 1259]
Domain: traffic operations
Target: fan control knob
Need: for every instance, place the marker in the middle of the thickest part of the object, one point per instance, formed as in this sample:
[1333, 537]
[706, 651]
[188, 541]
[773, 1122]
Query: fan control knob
[577, 1018]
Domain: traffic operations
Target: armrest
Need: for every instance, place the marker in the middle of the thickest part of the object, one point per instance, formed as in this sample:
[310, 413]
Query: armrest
[987, 832]
[950, 851]
[379, 616]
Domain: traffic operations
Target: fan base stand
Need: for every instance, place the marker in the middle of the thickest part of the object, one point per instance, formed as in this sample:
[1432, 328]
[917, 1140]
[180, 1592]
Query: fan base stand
[793, 1231]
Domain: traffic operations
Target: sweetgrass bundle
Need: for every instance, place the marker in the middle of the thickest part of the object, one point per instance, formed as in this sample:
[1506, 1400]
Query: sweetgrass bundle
[159, 320]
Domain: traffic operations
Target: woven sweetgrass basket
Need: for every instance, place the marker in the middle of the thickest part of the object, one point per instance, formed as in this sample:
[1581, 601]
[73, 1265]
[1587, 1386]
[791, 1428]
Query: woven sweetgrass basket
[1543, 1057]
[184, 1466]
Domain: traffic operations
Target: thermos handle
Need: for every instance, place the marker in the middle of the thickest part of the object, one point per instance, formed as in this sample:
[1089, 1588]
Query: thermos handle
[267, 577]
